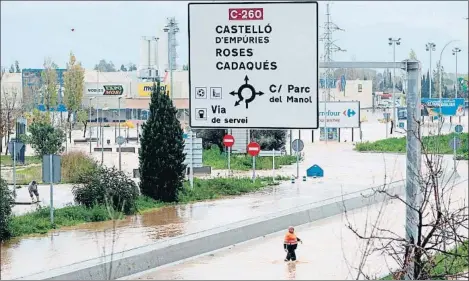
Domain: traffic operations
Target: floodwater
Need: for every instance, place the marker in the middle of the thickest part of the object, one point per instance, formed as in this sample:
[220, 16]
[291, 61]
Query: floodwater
[67, 245]
[330, 250]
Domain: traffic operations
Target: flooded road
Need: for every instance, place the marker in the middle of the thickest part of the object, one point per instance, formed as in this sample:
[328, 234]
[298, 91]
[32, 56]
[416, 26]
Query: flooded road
[67, 245]
[330, 250]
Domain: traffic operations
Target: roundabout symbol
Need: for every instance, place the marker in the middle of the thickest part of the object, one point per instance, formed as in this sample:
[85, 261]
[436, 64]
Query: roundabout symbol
[240, 90]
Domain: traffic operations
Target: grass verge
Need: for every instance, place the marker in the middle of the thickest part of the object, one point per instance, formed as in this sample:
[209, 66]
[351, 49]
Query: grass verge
[434, 144]
[7, 161]
[219, 160]
[38, 222]
[455, 264]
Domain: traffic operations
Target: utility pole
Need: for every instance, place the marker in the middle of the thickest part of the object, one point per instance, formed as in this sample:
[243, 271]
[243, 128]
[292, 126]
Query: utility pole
[393, 42]
[329, 48]
[455, 53]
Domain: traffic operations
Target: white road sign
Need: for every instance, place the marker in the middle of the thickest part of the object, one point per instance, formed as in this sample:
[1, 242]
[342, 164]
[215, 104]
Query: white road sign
[339, 114]
[253, 65]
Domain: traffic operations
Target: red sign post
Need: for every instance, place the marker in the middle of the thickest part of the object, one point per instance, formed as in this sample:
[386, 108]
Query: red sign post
[253, 149]
[228, 141]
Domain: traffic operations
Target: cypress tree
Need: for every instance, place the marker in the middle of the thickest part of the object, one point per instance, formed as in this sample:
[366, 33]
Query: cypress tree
[161, 156]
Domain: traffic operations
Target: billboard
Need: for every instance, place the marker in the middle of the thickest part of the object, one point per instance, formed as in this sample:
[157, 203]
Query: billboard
[144, 89]
[104, 89]
[449, 107]
[339, 114]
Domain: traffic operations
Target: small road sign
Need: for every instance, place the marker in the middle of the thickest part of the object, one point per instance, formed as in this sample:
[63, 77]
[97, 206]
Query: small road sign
[51, 168]
[458, 129]
[297, 145]
[254, 148]
[228, 140]
[120, 140]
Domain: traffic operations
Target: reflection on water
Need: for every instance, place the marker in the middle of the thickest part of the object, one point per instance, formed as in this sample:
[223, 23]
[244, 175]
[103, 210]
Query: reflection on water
[291, 271]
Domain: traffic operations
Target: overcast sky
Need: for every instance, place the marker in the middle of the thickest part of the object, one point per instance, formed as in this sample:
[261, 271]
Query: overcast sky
[31, 31]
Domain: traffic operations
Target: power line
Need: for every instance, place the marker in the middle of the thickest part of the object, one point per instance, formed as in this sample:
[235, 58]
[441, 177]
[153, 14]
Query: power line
[329, 48]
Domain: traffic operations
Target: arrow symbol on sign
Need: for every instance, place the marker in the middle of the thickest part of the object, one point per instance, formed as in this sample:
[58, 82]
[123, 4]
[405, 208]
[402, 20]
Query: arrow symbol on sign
[233, 93]
[246, 79]
[237, 102]
[260, 93]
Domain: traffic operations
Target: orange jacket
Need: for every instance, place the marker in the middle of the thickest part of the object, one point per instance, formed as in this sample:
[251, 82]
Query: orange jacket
[291, 239]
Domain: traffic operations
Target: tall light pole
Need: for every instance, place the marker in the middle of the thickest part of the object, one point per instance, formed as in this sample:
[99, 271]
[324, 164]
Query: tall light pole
[98, 127]
[119, 114]
[393, 42]
[89, 129]
[430, 47]
[439, 77]
[455, 53]
[171, 28]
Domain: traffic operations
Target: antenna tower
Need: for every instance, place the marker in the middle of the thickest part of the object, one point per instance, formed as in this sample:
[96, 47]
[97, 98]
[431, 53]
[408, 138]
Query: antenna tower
[329, 48]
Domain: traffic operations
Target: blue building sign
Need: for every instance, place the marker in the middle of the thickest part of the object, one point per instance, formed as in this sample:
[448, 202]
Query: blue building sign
[449, 107]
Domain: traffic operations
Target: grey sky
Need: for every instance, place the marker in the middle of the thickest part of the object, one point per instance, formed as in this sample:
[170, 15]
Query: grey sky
[31, 31]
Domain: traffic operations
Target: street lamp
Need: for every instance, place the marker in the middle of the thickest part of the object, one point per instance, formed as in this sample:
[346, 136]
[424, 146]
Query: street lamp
[393, 42]
[455, 53]
[119, 114]
[430, 47]
[439, 76]
[89, 129]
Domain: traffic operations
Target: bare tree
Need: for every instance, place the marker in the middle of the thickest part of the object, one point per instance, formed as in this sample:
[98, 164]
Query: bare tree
[442, 225]
[11, 109]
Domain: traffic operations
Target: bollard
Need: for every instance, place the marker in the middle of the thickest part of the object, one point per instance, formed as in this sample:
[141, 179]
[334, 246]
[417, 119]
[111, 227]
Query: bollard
[292, 179]
[304, 178]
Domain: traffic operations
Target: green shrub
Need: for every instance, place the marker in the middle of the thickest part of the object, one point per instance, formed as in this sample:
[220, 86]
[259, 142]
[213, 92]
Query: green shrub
[220, 187]
[6, 201]
[39, 221]
[46, 139]
[219, 160]
[211, 137]
[433, 144]
[108, 186]
[77, 166]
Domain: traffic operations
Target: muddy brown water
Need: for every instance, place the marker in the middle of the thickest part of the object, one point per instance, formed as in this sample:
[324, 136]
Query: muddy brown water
[29, 255]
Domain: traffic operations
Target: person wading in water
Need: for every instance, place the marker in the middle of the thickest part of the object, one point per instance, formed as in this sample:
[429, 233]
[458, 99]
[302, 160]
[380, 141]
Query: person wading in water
[290, 244]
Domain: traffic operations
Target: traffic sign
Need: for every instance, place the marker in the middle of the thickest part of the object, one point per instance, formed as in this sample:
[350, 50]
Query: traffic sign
[297, 145]
[237, 59]
[228, 140]
[458, 129]
[120, 140]
[254, 148]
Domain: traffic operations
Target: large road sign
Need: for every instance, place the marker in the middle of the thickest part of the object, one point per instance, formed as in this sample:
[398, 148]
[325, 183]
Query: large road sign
[249, 69]
[228, 140]
[254, 148]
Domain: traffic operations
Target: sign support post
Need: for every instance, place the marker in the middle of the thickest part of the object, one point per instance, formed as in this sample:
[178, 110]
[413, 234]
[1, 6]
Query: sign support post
[228, 141]
[14, 164]
[253, 168]
[297, 160]
[253, 149]
[273, 165]
[51, 190]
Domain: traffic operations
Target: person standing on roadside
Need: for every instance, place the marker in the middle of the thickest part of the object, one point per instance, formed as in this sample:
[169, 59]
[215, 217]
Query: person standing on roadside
[290, 244]
[32, 188]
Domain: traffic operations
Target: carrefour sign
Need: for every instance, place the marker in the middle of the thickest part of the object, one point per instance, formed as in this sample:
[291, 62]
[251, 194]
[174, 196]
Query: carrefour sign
[339, 114]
